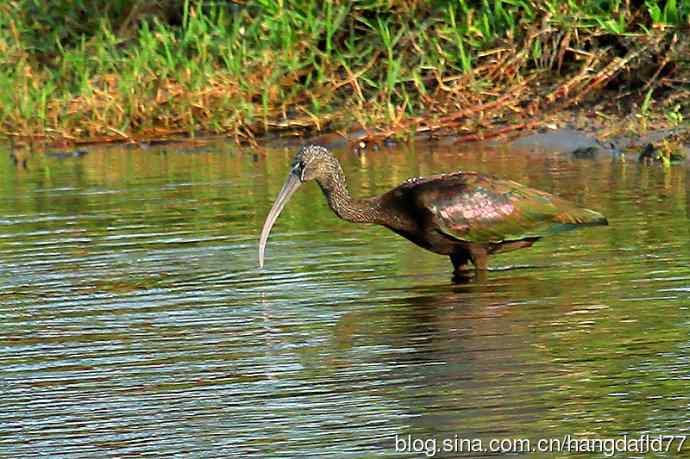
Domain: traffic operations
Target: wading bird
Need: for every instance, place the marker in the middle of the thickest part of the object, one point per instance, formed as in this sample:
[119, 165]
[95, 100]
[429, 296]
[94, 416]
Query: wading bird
[465, 215]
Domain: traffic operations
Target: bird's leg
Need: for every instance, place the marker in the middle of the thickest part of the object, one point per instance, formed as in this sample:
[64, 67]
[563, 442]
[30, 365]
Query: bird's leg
[479, 257]
[460, 261]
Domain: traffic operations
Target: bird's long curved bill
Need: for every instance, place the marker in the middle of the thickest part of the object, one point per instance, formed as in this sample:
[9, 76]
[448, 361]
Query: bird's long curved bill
[291, 184]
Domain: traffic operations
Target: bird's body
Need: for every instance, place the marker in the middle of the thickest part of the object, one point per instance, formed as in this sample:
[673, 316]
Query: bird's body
[464, 215]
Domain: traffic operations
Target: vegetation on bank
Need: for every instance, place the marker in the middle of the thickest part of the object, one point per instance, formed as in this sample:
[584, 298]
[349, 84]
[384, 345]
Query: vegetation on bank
[121, 69]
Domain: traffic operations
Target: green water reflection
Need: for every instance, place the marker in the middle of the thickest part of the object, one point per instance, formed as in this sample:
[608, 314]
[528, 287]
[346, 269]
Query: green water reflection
[135, 320]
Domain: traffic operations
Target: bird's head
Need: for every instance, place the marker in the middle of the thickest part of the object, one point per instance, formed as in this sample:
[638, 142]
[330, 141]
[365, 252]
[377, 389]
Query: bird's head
[312, 162]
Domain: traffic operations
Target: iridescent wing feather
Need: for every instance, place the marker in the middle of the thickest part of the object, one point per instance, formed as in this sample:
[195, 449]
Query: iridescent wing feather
[476, 208]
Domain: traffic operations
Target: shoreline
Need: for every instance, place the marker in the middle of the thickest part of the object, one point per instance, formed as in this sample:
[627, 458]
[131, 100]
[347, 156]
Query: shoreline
[572, 135]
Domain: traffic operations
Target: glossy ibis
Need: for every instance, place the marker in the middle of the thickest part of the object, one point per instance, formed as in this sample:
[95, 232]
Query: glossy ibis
[465, 215]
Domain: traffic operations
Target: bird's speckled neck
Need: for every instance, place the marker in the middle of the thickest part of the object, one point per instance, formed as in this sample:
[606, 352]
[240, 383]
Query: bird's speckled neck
[334, 187]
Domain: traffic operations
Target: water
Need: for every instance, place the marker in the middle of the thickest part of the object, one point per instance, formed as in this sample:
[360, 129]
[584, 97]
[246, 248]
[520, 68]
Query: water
[134, 320]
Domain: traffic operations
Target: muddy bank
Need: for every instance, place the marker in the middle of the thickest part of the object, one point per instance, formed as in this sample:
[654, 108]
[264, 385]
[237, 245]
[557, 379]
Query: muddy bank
[663, 146]
[586, 141]
[666, 145]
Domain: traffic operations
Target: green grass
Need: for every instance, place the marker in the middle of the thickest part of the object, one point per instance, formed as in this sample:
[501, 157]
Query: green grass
[84, 70]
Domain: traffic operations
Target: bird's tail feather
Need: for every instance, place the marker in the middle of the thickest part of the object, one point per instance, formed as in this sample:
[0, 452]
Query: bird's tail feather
[577, 218]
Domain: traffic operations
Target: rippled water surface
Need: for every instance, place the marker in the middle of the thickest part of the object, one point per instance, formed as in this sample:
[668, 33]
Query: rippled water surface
[134, 320]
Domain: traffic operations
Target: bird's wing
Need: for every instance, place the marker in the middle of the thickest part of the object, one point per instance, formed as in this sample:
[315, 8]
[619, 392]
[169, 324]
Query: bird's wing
[477, 208]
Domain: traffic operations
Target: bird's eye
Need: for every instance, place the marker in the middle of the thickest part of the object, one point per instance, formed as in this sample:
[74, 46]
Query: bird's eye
[302, 168]
[298, 168]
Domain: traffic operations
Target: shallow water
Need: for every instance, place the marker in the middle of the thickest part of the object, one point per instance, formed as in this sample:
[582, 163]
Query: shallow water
[134, 320]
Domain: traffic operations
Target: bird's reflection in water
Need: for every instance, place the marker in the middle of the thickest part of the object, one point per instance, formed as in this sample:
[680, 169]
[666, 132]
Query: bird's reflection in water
[462, 355]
